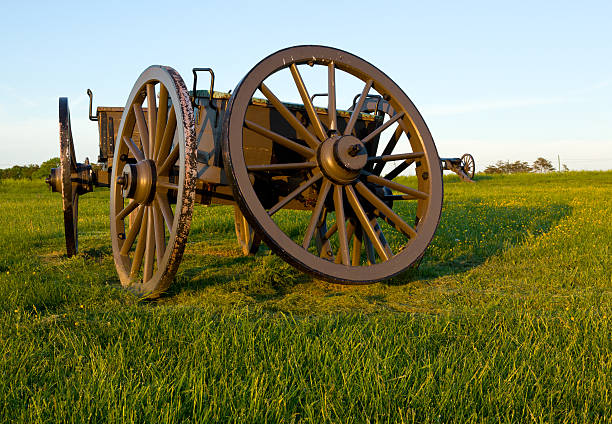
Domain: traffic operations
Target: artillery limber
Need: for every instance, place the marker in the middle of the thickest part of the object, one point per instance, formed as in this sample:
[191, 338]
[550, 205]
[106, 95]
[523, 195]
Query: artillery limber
[320, 185]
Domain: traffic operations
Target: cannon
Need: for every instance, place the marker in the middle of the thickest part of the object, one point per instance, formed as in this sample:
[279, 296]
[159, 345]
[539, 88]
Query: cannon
[320, 185]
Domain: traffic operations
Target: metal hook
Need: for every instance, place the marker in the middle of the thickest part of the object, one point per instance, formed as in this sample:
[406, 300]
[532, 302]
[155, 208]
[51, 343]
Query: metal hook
[91, 117]
[210, 92]
[369, 96]
[318, 95]
[195, 82]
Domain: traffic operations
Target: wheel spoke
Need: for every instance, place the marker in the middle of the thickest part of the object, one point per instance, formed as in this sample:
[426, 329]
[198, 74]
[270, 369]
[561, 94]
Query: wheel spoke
[162, 118]
[358, 107]
[395, 186]
[166, 211]
[134, 229]
[127, 210]
[152, 117]
[332, 230]
[394, 197]
[381, 236]
[398, 222]
[343, 249]
[365, 222]
[168, 136]
[150, 247]
[369, 248]
[166, 186]
[350, 231]
[142, 129]
[383, 127]
[397, 170]
[331, 97]
[312, 114]
[170, 160]
[140, 245]
[322, 242]
[389, 148]
[390, 158]
[134, 150]
[316, 213]
[283, 141]
[310, 139]
[160, 236]
[282, 166]
[356, 253]
[295, 193]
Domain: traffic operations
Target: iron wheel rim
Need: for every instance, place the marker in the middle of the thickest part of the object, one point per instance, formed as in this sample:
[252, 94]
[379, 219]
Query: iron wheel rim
[170, 147]
[68, 166]
[468, 165]
[257, 215]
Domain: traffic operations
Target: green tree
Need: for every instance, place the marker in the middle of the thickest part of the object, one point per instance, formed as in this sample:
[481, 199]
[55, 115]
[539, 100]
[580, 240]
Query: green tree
[542, 165]
[18, 172]
[507, 167]
[45, 168]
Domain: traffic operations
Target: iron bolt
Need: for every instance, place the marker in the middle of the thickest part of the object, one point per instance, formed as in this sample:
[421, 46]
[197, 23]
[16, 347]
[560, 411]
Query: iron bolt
[354, 150]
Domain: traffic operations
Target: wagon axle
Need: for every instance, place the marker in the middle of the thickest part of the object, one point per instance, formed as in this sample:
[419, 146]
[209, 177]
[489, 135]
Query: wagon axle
[317, 184]
[341, 158]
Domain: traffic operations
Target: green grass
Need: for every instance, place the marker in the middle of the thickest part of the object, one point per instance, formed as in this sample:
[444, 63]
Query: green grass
[506, 320]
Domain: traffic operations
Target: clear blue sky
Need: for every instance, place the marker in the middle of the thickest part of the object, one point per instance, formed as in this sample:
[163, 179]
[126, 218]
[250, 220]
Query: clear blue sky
[501, 80]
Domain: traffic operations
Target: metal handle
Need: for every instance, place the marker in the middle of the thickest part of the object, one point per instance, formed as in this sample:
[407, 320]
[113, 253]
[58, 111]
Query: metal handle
[91, 117]
[318, 95]
[369, 96]
[195, 83]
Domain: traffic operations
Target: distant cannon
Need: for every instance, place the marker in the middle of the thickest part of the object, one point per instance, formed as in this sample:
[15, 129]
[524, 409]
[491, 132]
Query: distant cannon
[464, 166]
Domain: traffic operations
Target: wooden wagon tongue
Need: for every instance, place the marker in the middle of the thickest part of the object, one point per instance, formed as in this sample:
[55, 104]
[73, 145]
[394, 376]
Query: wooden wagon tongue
[318, 185]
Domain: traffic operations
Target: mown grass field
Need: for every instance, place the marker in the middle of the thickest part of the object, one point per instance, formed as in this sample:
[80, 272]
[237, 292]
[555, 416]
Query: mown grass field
[506, 320]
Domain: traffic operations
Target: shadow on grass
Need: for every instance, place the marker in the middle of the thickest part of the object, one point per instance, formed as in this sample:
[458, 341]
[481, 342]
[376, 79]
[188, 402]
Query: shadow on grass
[262, 277]
[97, 253]
[469, 233]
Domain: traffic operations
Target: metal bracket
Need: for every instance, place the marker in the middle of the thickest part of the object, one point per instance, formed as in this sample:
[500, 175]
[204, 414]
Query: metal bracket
[369, 96]
[91, 117]
[318, 95]
[195, 82]
[210, 92]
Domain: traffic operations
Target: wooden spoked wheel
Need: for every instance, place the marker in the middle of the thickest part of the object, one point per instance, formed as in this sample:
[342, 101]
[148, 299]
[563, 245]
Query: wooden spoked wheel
[468, 165]
[154, 170]
[357, 225]
[69, 190]
[247, 238]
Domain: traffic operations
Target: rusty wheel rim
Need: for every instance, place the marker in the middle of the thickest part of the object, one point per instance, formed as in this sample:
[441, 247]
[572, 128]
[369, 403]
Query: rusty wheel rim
[468, 165]
[68, 166]
[345, 184]
[154, 167]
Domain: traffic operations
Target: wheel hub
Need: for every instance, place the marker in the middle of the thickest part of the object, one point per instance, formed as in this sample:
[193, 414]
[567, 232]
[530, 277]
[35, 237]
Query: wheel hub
[54, 181]
[138, 181]
[341, 158]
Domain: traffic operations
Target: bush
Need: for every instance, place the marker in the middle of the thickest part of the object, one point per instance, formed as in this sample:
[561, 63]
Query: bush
[506, 167]
[540, 165]
[45, 168]
[18, 172]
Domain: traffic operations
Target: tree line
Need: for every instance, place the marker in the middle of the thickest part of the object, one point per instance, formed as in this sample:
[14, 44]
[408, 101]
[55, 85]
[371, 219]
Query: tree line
[29, 172]
[540, 165]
